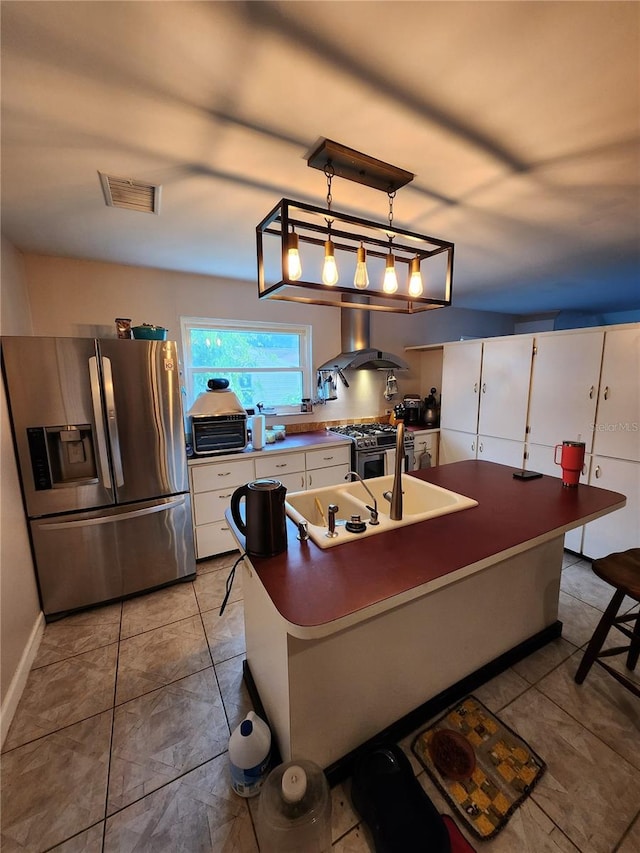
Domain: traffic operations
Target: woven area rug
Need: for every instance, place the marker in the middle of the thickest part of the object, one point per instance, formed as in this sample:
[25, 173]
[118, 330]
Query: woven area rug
[506, 768]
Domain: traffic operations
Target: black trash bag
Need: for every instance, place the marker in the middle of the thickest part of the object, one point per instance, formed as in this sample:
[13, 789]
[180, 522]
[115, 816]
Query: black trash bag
[393, 804]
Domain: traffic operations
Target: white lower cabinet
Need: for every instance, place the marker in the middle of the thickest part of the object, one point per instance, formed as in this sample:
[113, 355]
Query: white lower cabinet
[619, 530]
[327, 467]
[213, 483]
[501, 450]
[456, 446]
[425, 441]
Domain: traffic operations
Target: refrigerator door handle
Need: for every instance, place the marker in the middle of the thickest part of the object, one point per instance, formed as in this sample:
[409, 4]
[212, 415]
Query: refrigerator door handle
[101, 435]
[112, 421]
[109, 519]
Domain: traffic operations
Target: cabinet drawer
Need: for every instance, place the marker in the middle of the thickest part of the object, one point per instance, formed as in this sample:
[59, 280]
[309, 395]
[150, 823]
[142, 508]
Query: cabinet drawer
[207, 478]
[296, 482]
[210, 506]
[214, 539]
[328, 456]
[283, 463]
[332, 476]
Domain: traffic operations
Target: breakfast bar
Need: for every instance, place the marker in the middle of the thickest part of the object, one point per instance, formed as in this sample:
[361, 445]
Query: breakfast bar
[341, 643]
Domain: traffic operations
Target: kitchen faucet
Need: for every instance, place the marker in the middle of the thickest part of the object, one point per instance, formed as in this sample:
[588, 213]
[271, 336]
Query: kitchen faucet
[374, 509]
[395, 513]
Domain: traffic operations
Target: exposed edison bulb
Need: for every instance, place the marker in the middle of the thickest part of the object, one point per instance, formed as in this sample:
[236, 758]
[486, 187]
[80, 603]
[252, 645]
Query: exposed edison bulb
[415, 279]
[361, 278]
[329, 270]
[294, 265]
[390, 283]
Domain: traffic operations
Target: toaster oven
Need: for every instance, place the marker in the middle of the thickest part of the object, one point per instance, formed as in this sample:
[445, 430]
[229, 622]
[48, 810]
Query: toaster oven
[211, 434]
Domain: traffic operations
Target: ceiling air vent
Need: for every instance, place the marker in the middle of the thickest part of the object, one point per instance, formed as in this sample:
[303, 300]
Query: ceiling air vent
[130, 194]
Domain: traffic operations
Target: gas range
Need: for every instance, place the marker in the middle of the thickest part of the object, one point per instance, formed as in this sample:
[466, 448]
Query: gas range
[365, 436]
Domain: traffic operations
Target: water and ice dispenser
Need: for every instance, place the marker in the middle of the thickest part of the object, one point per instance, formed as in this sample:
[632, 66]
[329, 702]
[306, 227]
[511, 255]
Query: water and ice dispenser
[62, 455]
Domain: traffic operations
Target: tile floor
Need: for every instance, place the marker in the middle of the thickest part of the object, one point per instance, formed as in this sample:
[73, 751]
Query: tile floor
[119, 741]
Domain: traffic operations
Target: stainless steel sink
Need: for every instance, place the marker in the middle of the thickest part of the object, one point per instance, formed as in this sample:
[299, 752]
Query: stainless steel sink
[421, 501]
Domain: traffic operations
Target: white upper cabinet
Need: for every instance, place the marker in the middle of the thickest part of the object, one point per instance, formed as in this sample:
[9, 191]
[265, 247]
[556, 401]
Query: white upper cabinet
[461, 366]
[564, 388]
[617, 427]
[504, 397]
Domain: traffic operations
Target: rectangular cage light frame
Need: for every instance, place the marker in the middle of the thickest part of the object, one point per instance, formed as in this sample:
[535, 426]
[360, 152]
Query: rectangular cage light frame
[347, 233]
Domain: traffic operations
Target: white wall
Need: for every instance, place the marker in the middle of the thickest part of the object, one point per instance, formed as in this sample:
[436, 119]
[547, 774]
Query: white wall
[21, 620]
[83, 298]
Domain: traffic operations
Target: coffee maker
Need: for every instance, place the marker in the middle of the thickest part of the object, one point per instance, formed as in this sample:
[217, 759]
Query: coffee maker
[412, 409]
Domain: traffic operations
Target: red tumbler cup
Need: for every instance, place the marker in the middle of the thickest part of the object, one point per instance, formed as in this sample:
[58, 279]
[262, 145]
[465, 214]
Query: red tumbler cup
[571, 461]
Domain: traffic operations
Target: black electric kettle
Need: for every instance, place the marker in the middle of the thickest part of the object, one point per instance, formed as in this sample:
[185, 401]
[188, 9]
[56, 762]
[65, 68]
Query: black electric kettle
[265, 530]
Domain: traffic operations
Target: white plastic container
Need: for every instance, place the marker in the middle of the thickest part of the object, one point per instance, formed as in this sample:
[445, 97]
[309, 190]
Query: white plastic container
[249, 755]
[257, 432]
[294, 811]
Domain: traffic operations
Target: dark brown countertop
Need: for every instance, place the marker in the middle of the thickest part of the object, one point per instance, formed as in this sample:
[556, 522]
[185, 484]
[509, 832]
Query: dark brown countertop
[294, 441]
[310, 586]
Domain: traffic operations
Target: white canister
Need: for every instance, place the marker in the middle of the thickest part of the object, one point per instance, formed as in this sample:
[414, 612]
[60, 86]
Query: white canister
[249, 755]
[257, 432]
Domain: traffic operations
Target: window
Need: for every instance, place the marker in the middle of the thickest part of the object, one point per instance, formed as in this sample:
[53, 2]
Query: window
[264, 362]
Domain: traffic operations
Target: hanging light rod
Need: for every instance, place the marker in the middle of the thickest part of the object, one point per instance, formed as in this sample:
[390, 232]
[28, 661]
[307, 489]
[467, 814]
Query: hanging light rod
[356, 166]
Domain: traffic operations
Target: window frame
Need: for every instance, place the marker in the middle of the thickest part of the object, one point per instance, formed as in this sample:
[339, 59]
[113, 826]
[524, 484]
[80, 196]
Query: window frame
[304, 332]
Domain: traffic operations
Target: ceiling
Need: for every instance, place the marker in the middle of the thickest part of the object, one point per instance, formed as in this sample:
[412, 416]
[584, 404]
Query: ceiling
[520, 121]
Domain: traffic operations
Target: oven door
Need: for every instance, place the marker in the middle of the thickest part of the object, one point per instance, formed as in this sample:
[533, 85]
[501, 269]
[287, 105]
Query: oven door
[377, 462]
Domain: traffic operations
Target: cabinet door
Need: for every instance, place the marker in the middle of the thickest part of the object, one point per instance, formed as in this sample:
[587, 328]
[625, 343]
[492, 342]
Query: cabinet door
[425, 442]
[504, 398]
[332, 476]
[564, 388]
[501, 450]
[620, 529]
[295, 482]
[460, 386]
[617, 428]
[456, 446]
[211, 506]
[214, 539]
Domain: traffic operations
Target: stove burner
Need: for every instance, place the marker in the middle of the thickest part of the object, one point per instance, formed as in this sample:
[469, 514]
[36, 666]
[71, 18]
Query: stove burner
[372, 435]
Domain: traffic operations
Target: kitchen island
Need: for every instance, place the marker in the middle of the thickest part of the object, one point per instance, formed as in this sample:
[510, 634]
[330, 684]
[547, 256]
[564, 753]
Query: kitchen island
[344, 642]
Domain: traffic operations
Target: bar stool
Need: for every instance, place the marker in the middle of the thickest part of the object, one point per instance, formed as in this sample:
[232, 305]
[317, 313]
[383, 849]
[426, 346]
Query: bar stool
[621, 571]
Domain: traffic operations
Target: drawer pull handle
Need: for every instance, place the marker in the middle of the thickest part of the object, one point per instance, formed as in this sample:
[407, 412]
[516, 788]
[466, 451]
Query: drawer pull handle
[606, 392]
[475, 387]
[327, 458]
[223, 473]
[282, 465]
[224, 497]
[598, 471]
[591, 393]
[225, 528]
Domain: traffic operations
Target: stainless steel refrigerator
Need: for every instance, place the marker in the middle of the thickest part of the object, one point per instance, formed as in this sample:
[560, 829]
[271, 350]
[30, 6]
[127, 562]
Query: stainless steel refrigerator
[99, 433]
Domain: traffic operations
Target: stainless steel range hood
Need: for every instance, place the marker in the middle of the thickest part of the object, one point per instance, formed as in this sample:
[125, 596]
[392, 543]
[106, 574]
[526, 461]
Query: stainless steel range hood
[357, 353]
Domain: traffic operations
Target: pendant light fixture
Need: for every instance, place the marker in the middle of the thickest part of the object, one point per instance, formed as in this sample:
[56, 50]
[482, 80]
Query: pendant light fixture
[333, 247]
[361, 278]
[293, 256]
[416, 287]
[329, 268]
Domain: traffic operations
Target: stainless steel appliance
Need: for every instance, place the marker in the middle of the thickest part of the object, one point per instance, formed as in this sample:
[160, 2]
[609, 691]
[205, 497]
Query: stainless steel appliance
[266, 525]
[412, 409]
[99, 432]
[370, 448]
[218, 421]
[213, 434]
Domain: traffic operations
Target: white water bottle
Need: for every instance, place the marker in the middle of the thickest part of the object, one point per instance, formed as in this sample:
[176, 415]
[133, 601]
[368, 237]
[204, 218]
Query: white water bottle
[249, 755]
